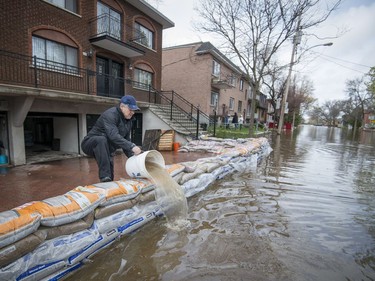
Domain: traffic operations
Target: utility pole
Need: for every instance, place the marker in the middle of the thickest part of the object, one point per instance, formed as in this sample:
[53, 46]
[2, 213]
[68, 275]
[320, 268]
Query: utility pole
[296, 42]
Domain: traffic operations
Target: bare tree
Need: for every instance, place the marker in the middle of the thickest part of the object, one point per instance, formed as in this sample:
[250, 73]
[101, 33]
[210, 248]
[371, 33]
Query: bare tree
[351, 114]
[371, 83]
[274, 83]
[359, 94]
[328, 113]
[255, 30]
[300, 99]
[315, 114]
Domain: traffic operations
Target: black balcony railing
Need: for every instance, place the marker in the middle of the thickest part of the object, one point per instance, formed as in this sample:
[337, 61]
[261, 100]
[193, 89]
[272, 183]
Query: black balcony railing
[106, 25]
[17, 69]
[29, 71]
[21, 70]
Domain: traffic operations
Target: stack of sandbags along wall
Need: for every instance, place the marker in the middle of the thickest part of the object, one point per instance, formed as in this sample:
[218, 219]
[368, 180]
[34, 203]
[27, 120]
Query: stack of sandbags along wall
[49, 239]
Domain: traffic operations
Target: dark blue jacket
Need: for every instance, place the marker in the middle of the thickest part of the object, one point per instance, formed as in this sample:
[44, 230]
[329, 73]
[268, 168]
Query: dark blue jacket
[116, 128]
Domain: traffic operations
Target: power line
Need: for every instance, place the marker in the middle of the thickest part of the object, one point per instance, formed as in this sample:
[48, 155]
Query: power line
[346, 61]
[346, 66]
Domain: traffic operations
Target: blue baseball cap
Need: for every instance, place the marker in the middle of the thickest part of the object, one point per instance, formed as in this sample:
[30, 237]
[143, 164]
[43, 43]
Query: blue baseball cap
[130, 102]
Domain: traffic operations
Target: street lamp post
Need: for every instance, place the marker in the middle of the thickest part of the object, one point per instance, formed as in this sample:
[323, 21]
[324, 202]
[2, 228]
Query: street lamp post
[296, 41]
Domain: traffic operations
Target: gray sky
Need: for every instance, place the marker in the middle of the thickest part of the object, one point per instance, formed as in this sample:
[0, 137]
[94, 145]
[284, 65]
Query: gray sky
[351, 55]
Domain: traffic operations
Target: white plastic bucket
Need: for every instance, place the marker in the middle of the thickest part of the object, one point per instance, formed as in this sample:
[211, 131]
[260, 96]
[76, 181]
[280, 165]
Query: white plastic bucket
[136, 165]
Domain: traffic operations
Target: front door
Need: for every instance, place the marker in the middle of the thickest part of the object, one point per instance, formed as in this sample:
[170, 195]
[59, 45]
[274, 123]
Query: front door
[109, 79]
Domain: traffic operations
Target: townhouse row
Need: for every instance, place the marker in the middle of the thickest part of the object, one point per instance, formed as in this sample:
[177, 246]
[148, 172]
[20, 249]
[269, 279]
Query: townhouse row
[63, 62]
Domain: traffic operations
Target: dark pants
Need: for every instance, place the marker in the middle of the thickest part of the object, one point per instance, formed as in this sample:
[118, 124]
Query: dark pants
[97, 146]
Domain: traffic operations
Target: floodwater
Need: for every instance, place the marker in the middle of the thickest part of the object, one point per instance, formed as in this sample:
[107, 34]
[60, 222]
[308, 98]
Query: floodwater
[307, 212]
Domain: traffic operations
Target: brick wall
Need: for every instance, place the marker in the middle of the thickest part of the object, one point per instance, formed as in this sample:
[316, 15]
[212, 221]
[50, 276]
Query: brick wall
[19, 18]
[189, 75]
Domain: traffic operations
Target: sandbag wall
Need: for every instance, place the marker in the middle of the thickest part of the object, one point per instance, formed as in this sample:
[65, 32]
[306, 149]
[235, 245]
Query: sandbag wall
[46, 240]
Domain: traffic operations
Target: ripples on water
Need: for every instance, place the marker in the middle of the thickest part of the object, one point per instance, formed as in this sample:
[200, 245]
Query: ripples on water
[306, 213]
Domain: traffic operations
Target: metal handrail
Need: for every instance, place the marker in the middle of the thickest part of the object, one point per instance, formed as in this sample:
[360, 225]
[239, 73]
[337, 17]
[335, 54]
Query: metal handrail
[185, 105]
[176, 114]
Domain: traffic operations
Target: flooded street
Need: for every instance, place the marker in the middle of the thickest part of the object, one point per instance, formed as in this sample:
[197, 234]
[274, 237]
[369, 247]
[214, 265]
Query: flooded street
[307, 212]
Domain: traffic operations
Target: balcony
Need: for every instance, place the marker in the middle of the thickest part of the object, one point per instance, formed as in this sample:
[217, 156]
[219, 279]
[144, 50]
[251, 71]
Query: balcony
[60, 80]
[106, 33]
[217, 83]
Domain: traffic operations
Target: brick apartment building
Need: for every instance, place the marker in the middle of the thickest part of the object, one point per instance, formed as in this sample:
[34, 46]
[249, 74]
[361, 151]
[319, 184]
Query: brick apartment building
[203, 75]
[62, 63]
[206, 77]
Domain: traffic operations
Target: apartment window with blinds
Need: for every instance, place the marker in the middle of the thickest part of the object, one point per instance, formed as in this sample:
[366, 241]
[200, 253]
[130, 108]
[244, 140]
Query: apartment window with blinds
[215, 68]
[70, 5]
[231, 103]
[239, 106]
[214, 98]
[144, 36]
[241, 85]
[143, 79]
[232, 80]
[55, 56]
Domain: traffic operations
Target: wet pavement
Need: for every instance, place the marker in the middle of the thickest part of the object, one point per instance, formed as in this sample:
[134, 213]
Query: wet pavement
[40, 180]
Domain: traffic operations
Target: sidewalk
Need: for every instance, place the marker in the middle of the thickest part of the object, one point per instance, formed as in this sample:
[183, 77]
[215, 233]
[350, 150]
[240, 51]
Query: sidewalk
[38, 181]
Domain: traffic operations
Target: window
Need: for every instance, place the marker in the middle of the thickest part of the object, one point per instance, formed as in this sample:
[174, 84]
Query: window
[214, 98]
[55, 56]
[239, 106]
[248, 110]
[215, 68]
[109, 21]
[144, 36]
[70, 5]
[232, 80]
[231, 103]
[241, 85]
[250, 94]
[143, 79]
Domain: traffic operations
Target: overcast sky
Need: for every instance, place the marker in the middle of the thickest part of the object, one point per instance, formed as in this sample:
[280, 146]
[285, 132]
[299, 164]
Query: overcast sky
[351, 55]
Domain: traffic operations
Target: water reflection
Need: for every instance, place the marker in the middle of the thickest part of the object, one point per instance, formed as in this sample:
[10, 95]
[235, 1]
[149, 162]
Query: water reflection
[367, 137]
[306, 213]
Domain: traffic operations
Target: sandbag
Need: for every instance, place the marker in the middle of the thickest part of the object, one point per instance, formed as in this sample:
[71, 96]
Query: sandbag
[107, 223]
[145, 184]
[69, 228]
[17, 223]
[188, 176]
[147, 213]
[61, 273]
[222, 171]
[49, 256]
[109, 210]
[16, 250]
[174, 169]
[116, 191]
[16, 270]
[177, 178]
[146, 197]
[196, 185]
[66, 208]
[103, 241]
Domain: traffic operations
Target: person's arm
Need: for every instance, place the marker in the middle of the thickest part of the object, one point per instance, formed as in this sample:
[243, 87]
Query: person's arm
[135, 150]
[112, 132]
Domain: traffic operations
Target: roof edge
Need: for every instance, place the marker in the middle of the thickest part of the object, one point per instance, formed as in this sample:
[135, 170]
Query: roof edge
[152, 12]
